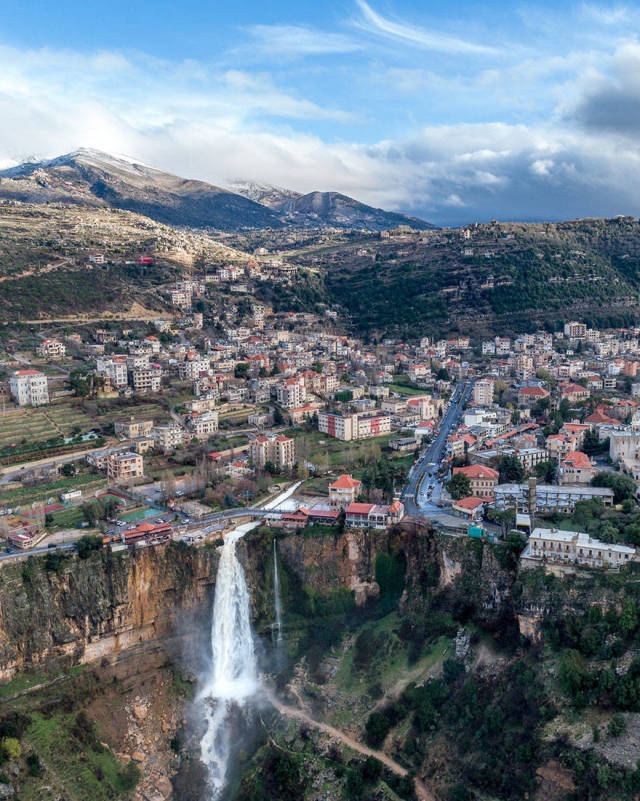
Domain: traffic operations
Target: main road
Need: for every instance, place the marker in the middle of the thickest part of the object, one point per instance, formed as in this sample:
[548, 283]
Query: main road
[423, 489]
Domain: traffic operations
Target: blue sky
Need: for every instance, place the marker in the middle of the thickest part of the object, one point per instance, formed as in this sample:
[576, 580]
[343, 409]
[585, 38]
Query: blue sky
[454, 113]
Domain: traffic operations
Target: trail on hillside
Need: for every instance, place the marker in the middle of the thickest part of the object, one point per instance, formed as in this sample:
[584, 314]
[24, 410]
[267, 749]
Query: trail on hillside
[293, 712]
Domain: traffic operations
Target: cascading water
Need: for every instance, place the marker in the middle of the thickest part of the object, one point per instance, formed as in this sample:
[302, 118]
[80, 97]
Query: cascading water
[234, 674]
[233, 681]
[276, 592]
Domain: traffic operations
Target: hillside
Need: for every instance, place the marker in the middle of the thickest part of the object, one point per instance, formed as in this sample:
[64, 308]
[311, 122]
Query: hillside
[512, 277]
[45, 266]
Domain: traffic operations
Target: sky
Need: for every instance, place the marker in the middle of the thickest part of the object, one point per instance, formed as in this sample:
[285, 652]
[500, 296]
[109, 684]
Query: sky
[478, 111]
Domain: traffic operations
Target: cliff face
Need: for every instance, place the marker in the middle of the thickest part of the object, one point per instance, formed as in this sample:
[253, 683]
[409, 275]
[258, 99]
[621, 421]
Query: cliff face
[104, 604]
[92, 608]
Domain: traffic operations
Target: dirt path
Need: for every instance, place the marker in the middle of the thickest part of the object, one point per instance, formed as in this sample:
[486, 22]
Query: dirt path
[394, 692]
[335, 734]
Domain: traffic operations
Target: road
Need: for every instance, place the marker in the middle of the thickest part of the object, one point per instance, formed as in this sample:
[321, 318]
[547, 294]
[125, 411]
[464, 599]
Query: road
[422, 493]
[335, 734]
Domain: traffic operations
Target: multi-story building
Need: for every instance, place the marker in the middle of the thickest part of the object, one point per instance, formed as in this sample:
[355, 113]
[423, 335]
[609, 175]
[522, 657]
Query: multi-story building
[29, 388]
[280, 451]
[133, 428]
[574, 548]
[483, 392]
[575, 330]
[51, 349]
[534, 498]
[482, 479]
[343, 491]
[576, 468]
[114, 368]
[181, 299]
[148, 379]
[193, 368]
[203, 425]
[349, 427]
[167, 437]
[291, 394]
[124, 466]
[370, 515]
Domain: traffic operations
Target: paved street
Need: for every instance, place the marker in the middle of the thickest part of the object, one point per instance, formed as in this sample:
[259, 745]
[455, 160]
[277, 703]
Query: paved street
[422, 493]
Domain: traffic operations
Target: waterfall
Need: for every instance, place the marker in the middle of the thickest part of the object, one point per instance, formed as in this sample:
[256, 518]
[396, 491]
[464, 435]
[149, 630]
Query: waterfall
[233, 678]
[232, 684]
[276, 593]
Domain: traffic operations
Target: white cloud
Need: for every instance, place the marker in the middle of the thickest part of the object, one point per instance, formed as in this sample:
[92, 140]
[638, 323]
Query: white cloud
[298, 40]
[374, 22]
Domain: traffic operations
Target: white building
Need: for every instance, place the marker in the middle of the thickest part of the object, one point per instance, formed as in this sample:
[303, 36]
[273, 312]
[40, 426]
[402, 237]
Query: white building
[575, 548]
[51, 349]
[483, 392]
[115, 369]
[29, 388]
[203, 425]
[167, 437]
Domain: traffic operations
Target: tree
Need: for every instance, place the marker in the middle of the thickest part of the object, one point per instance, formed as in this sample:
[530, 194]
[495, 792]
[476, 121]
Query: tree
[617, 725]
[85, 545]
[278, 419]
[511, 470]
[459, 486]
[547, 470]
[623, 486]
[443, 375]
[241, 370]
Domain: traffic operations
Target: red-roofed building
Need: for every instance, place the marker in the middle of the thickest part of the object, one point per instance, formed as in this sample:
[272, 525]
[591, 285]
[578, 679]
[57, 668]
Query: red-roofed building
[574, 393]
[470, 508]
[528, 396]
[371, 515]
[576, 468]
[482, 479]
[344, 491]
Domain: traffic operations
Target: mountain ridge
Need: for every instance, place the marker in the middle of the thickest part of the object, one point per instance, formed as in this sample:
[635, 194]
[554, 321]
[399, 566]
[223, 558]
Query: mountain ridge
[91, 177]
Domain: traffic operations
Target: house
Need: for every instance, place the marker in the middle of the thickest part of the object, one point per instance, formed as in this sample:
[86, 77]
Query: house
[133, 428]
[576, 468]
[469, 508]
[51, 349]
[534, 498]
[482, 479]
[21, 532]
[29, 388]
[574, 548]
[124, 466]
[574, 393]
[343, 492]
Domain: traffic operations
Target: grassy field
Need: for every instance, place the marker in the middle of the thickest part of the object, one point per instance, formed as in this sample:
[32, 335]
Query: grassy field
[403, 389]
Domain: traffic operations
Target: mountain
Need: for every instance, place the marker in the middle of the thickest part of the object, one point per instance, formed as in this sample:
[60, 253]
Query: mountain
[325, 209]
[89, 177]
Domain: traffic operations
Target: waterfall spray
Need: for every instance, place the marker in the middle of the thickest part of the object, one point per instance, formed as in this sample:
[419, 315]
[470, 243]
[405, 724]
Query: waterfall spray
[276, 593]
[234, 675]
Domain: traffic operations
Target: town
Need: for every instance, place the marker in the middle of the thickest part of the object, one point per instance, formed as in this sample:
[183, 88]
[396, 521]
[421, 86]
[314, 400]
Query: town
[130, 434]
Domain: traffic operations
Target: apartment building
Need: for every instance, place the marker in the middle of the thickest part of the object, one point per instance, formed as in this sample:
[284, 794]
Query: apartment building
[51, 349]
[124, 466]
[193, 368]
[291, 394]
[115, 369]
[575, 330]
[349, 427]
[280, 451]
[29, 388]
[483, 392]
[202, 426]
[371, 515]
[133, 428]
[167, 437]
[148, 379]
